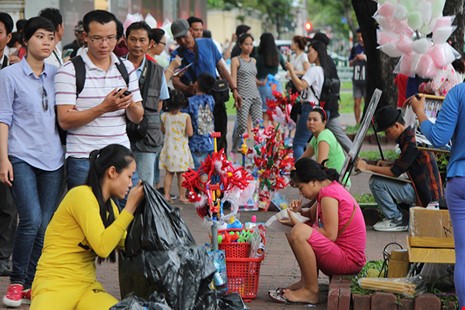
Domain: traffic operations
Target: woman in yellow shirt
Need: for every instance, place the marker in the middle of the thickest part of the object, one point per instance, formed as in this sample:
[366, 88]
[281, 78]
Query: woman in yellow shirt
[86, 225]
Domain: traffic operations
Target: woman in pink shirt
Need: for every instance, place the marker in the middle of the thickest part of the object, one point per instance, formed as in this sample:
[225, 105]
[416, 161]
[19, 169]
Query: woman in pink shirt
[334, 239]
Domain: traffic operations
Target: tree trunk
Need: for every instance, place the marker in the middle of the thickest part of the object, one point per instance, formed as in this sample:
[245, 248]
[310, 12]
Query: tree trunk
[380, 67]
[456, 7]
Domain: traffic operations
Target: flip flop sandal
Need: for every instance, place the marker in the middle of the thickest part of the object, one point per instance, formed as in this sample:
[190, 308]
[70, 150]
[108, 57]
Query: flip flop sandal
[280, 298]
[279, 290]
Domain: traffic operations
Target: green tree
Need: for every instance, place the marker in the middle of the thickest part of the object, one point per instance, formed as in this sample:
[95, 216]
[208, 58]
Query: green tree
[277, 13]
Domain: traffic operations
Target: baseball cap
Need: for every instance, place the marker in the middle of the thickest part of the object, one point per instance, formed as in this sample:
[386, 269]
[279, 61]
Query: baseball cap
[79, 27]
[320, 36]
[179, 28]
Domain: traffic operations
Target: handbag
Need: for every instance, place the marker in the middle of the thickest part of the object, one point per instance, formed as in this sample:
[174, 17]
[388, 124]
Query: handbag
[220, 91]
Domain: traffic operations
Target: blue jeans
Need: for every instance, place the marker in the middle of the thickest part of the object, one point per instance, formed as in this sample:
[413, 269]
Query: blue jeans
[77, 170]
[267, 93]
[302, 134]
[455, 198]
[388, 193]
[199, 157]
[146, 162]
[36, 194]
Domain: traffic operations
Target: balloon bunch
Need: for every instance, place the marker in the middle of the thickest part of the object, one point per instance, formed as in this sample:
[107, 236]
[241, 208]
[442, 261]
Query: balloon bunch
[273, 160]
[404, 25]
[215, 182]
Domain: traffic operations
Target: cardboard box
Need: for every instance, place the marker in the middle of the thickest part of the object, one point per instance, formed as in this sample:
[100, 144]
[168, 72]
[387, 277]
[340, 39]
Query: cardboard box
[430, 228]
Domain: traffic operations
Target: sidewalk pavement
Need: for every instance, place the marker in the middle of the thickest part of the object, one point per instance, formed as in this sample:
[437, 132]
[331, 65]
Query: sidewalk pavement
[279, 268]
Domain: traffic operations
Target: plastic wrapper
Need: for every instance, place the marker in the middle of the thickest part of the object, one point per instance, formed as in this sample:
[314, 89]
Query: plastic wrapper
[408, 287]
[161, 256]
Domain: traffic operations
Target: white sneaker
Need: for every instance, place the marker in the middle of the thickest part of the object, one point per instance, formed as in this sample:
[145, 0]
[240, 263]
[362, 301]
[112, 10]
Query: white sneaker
[390, 225]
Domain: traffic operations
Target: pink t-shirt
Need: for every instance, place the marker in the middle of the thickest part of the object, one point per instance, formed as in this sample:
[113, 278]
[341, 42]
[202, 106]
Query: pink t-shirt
[353, 239]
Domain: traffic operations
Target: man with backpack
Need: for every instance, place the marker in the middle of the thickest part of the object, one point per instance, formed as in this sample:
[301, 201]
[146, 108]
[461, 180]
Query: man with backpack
[94, 109]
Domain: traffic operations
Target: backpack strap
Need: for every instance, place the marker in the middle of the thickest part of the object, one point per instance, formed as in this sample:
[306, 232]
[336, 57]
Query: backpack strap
[124, 72]
[80, 74]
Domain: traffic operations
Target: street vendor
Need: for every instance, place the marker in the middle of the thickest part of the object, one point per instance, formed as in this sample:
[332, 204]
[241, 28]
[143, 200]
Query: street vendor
[333, 240]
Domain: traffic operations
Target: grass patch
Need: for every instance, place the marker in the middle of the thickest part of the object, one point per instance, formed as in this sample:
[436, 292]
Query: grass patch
[346, 85]
[364, 198]
[390, 155]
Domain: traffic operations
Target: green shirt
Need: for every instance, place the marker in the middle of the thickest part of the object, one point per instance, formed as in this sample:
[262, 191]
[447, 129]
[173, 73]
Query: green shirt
[336, 155]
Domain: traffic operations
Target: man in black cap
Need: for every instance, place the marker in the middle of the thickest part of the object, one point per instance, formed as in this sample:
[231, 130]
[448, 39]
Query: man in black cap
[76, 44]
[332, 103]
[203, 57]
[420, 166]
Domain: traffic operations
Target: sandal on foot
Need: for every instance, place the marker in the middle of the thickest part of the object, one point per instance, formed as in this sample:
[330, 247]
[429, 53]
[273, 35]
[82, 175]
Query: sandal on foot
[280, 298]
[279, 290]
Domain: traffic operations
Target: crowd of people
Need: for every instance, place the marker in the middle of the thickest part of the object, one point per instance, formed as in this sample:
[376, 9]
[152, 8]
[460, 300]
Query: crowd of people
[81, 125]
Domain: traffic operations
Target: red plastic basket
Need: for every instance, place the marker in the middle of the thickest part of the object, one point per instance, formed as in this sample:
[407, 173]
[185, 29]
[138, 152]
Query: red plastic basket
[243, 275]
[235, 249]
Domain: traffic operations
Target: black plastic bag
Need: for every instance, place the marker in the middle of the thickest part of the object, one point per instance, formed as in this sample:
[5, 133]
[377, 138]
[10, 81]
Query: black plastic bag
[157, 226]
[161, 256]
[155, 302]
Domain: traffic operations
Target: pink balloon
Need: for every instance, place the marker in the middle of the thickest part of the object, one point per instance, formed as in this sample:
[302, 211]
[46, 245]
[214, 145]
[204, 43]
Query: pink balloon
[405, 44]
[385, 37]
[426, 67]
[443, 21]
[437, 53]
[386, 9]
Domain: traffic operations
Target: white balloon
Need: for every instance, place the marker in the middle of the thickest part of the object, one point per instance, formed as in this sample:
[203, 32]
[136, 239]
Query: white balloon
[383, 22]
[151, 21]
[425, 30]
[391, 50]
[441, 34]
[400, 12]
[437, 6]
[415, 20]
[421, 46]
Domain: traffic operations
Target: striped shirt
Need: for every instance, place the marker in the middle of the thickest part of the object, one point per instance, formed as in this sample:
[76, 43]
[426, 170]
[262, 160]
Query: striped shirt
[110, 127]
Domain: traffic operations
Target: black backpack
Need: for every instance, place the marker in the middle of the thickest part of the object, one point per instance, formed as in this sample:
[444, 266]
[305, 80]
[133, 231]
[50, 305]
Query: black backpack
[329, 92]
[80, 74]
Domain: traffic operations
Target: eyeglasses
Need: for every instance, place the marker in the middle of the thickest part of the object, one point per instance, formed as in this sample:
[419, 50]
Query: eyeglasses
[44, 99]
[97, 39]
[164, 43]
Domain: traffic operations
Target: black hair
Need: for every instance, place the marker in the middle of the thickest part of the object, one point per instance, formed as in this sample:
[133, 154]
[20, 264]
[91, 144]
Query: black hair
[157, 34]
[207, 34]
[139, 26]
[52, 15]
[113, 155]
[35, 23]
[194, 19]
[20, 23]
[307, 170]
[320, 48]
[244, 36]
[321, 112]
[6, 20]
[15, 38]
[99, 16]
[119, 29]
[301, 42]
[358, 30]
[459, 65]
[268, 50]
[241, 29]
[205, 82]
[176, 101]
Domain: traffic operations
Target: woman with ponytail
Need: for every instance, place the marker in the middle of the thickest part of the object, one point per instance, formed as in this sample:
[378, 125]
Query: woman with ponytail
[334, 238]
[86, 225]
